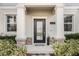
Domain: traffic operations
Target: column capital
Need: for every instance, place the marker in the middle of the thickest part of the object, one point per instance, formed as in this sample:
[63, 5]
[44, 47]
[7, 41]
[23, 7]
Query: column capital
[60, 5]
[21, 5]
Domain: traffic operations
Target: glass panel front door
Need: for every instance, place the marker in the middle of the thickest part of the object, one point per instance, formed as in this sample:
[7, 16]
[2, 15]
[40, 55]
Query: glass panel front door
[39, 30]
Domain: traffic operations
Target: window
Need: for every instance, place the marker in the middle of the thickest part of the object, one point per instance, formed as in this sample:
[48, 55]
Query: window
[68, 22]
[11, 23]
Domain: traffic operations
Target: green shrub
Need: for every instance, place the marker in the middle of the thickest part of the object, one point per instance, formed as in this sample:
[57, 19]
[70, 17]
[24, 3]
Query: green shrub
[72, 36]
[68, 48]
[11, 39]
[8, 49]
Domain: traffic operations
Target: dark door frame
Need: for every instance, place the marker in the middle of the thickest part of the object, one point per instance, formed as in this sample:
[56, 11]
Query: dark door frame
[44, 30]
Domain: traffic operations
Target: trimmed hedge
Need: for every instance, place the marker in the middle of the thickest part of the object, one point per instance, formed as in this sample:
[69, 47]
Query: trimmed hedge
[8, 49]
[68, 48]
[72, 36]
[11, 39]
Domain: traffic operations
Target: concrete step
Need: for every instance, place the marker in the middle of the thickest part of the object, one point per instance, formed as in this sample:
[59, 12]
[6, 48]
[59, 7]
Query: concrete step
[39, 50]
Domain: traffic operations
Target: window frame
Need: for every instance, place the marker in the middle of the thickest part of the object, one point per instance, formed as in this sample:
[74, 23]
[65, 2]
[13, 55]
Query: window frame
[9, 23]
[73, 23]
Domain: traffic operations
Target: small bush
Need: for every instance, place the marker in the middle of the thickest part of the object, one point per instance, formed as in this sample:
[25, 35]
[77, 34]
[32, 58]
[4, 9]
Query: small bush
[69, 48]
[11, 39]
[8, 49]
[72, 36]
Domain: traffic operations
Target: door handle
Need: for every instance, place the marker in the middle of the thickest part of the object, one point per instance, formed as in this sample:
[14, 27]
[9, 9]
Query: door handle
[44, 33]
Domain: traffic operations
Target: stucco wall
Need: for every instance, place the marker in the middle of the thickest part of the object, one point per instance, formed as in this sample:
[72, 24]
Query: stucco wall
[75, 19]
[3, 21]
[77, 22]
[50, 29]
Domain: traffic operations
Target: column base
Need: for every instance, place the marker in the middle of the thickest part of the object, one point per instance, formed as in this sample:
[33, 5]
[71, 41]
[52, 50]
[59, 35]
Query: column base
[21, 42]
[60, 40]
[29, 41]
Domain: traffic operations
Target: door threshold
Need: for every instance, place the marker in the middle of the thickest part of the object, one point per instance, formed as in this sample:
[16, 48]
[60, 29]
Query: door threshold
[39, 44]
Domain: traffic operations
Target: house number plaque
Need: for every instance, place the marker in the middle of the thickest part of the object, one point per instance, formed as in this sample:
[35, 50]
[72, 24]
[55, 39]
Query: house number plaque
[52, 22]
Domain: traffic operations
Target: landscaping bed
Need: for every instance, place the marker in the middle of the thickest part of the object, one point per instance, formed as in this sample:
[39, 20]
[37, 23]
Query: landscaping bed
[8, 47]
[70, 47]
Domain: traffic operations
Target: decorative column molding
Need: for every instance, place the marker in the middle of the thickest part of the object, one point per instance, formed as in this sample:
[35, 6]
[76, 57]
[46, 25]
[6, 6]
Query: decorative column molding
[21, 5]
[60, 22]
[21, 31]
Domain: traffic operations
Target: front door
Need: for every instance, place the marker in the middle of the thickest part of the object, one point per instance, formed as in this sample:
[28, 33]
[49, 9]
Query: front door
[39, 31]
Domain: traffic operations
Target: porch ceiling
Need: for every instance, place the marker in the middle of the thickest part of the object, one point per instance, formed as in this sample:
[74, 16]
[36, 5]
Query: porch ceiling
[40, 10]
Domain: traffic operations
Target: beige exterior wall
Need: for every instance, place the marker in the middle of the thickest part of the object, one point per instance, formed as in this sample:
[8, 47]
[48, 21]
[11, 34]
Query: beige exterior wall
[75, 23]
[50, 29]
[3, 21]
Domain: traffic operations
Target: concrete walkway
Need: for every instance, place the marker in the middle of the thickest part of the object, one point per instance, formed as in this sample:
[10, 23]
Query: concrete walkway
[39, 50]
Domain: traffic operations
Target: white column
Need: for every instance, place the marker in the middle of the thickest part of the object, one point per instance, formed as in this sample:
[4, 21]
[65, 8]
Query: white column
[60, 22]
[21, 33]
